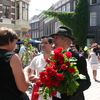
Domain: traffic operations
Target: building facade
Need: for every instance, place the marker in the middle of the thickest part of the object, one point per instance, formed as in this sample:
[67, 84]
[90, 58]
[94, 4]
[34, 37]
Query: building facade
[50, 24]
[14, 14]
[34, 24]
[93, 34]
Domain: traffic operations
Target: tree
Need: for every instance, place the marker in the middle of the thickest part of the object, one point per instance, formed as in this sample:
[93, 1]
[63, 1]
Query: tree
[77, 20]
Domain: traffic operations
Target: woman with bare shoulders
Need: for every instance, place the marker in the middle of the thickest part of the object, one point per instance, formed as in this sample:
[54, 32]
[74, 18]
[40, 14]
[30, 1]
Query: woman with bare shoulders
[13, 79]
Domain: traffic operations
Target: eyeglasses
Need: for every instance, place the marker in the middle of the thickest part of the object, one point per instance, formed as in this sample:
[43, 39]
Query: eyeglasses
[44, 42]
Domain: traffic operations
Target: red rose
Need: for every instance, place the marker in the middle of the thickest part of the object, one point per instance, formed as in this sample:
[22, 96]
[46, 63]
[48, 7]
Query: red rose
[42, 79]
[68, 54]
[55, 67]
[58, 50]
[27, 35]
[38, 82]
[48, 69]
[61, 61]
[63, 66]
[58, 66]
[36, 94]
[60, 76]
[60, 56]
[72, 70]
[47, 60]
[53, 93]
[42, 73]
[55, 83]
[55, 56]
[53, 72]
[53, 62]
[67, 63]
[47, 82]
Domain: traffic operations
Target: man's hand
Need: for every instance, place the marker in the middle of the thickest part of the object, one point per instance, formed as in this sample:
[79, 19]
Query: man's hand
[33, 78]
[28, 70]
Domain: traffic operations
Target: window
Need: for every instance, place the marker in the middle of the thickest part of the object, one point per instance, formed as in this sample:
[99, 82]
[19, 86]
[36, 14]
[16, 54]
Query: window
[23, 4]
[6, 12]
[93, 1]
[37, 25]
[32, 34]
[17, 10]
[33, 26]
[25, 11]
[68, 7]
[59, 9]
[6, 9]
[24, 15]
[6, 2]
[93, 17]
[37, 33]
[74, 5]
[63, 8]
[63, 1]
[90, 41]
[26, 6]
[67, 0]
[57, 24]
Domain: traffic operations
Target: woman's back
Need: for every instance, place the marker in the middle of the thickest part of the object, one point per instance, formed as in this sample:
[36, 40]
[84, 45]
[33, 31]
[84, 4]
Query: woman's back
[8, 88]
[93, 58]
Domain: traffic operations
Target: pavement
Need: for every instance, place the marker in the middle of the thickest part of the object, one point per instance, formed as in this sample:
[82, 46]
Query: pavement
[93, 92]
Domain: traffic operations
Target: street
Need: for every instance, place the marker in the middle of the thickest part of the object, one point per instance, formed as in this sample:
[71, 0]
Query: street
[93, 93]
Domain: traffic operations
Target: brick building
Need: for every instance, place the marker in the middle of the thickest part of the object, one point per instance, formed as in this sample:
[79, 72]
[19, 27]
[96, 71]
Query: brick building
[14, 14]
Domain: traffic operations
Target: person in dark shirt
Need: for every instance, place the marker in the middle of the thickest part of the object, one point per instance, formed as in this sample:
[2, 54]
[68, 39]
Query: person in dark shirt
[63, 37]
[14, 80]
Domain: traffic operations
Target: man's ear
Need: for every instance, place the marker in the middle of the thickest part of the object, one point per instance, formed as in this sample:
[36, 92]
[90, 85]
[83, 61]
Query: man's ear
[65, 39]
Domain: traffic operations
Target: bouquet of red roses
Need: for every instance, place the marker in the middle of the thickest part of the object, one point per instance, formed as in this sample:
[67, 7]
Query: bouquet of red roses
[60, 74]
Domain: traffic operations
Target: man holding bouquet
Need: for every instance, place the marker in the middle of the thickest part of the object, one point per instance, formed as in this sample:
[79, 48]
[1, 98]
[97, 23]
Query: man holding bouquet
[63, 37]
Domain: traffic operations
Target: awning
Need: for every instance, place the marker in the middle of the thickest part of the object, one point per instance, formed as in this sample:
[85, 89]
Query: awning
[32, 41]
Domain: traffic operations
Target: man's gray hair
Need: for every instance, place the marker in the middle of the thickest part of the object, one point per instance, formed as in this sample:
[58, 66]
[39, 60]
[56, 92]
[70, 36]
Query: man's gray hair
[69, 40]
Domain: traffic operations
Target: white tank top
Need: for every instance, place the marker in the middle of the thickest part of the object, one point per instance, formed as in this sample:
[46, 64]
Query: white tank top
[93, 58]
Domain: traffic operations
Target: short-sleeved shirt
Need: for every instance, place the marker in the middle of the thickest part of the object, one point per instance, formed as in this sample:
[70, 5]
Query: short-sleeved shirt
[38, 63]
[93, 58]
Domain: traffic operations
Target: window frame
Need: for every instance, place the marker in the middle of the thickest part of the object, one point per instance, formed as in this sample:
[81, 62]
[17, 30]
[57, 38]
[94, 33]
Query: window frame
[93, 2]
[6, 11]
[93, 17]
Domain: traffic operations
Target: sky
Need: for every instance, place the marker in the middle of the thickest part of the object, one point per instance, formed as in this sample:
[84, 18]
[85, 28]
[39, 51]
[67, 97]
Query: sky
[40, 5]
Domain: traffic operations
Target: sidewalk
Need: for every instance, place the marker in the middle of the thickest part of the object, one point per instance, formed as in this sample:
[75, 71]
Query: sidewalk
[93, 93]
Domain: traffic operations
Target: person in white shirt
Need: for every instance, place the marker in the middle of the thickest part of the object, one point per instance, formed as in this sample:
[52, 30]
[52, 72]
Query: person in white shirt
[21, 51]
[38, 62]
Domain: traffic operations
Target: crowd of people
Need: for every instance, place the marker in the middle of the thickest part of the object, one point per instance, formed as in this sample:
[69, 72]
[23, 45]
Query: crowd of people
[15, 79]
[91, 53]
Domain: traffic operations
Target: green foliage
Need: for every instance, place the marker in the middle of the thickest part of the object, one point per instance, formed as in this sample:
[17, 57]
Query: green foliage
[28, 49]
[77, 20]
